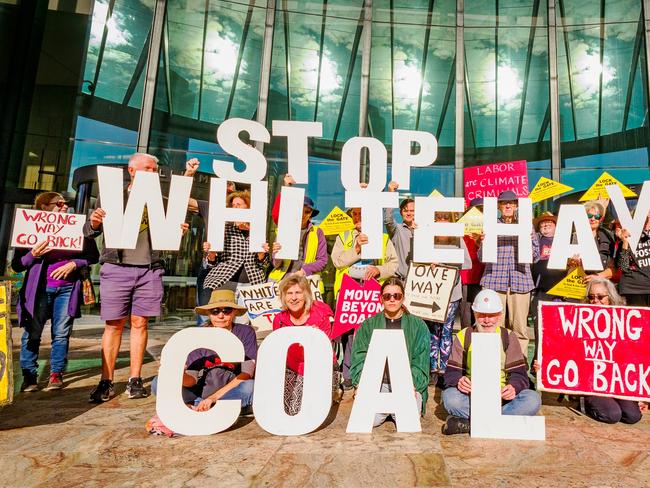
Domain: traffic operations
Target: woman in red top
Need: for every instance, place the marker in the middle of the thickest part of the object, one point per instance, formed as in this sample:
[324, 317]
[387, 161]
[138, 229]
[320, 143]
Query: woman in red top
[299, 309]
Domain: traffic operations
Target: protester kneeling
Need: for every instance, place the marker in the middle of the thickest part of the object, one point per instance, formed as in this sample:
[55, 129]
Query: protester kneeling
[416, 335]
[206, 378]
[299, 308]
[517, 398]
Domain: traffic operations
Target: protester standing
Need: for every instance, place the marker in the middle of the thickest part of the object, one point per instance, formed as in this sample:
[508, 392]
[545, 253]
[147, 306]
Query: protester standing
[510, 279]
[131, 289]
[51, 290]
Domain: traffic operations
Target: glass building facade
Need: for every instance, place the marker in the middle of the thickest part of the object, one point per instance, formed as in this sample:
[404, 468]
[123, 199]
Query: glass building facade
[562, 84]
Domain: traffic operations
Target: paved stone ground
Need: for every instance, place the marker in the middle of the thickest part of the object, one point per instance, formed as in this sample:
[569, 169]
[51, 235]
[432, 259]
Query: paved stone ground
[58, 439]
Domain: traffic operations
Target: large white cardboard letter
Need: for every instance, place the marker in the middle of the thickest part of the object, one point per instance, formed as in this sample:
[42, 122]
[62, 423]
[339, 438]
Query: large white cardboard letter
[291, 203]
[268, 401]
[220, 214]
[387, 348]
[633, 225]
[169, 402]
[424, 249]
[297, 133]
[228, 138]
[372, 204]
[403, 160]
[121, 227]
[493, 229]
[486, 419]
[562, 248]
[351, 163]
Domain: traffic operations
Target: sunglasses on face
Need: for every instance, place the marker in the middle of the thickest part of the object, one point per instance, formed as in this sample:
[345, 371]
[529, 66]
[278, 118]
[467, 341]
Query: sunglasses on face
[58, 203]
[388, 296]
[224, 310]
[597, 297]
[594, 216]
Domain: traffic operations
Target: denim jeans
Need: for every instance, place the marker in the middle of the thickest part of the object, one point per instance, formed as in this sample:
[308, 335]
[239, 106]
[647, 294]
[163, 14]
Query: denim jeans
[527, 402]
[52, 304]
[243, 391]
[380, 418]
[442, 338]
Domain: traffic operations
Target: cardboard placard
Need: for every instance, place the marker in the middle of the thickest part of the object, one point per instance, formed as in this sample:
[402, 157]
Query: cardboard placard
[6, 362]
[60, 230]
[491, 179]
[355, 304]
[337, 221]
[598, 189]
[263, 301]
[428, 291]
[473, 220]
[572, 286]
[436, 194]
[547, 188]
[594, 350]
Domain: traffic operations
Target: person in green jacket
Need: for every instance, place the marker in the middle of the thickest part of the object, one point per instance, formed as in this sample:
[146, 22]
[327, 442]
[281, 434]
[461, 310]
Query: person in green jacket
[416, 334]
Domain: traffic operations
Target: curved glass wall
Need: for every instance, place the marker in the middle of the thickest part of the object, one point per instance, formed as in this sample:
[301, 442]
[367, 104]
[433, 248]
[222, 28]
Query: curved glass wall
[603, 90]
[160, 76]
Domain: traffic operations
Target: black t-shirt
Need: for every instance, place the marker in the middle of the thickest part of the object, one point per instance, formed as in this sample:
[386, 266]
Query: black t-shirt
[390, 324]
[636, 280]
[545, 278]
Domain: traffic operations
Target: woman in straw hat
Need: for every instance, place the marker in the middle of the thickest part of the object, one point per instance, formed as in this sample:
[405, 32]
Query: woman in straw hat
[206, 378]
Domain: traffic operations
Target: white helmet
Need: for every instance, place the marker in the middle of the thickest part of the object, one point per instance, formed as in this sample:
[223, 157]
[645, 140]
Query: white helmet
[487, 301]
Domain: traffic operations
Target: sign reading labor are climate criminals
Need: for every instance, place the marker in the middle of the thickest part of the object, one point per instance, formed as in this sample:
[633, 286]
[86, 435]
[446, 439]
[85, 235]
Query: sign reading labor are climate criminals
[60, 230]
[594, 350]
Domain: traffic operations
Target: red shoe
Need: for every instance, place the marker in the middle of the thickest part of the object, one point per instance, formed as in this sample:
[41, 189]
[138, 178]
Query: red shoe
[56, 382]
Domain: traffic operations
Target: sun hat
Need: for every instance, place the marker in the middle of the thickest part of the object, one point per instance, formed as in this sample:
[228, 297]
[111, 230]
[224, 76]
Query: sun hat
[218, 299]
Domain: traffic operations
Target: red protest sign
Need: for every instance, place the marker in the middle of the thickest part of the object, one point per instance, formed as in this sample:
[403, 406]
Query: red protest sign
[60, 230]
[355, 304]
[491, 179]
[594, 350]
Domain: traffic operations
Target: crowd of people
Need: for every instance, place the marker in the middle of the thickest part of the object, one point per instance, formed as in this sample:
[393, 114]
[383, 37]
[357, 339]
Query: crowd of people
[494, 297]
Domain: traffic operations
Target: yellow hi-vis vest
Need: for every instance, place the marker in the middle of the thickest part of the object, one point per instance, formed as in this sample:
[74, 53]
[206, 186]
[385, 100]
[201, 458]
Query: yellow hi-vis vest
[310, 256]
[348, 242]
[466, 342]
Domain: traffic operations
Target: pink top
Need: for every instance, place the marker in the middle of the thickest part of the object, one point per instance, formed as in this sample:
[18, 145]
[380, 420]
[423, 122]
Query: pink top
[319, 317]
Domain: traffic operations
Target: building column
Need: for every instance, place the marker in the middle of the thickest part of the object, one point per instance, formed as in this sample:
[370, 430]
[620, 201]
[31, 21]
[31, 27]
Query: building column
[554, 96]
[265, 73]
[151, 73]
[459, 158]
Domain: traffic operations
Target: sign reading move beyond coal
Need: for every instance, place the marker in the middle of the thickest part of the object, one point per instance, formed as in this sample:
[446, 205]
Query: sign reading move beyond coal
[594, 350]
[428, 291]
[60, 230]
[355, 304]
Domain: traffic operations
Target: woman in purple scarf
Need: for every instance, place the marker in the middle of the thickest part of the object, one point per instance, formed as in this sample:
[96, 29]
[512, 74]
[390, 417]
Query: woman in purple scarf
[52, 290]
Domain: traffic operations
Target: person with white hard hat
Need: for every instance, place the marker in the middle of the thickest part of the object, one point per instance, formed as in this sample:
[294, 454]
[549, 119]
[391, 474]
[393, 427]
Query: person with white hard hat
[517, 398]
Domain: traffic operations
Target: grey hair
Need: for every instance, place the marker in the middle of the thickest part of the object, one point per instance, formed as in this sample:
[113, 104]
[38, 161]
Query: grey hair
[142, 155]
[296, 279]
[614, 297]
[595, 204]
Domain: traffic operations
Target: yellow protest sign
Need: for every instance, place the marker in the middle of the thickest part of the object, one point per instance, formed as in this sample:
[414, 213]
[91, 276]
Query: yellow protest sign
[572, 286]
[598, 190]
[6, 369]
[546, 188]
[336, 222]
[473, 221]
[436, 193]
